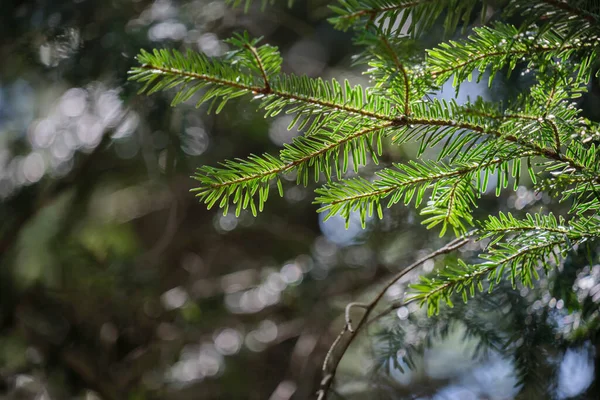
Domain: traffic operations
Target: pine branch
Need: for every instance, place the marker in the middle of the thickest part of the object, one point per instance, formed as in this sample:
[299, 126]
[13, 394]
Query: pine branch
[306, 94]
[334, 131]
[497, 47]
[466, 279]
[317, 151]
[261, 67]
[394, 14]
[506, 224]
[355, 10]
[519, 246]
[239, 181]
[574, 159]
[314, 101]
[410, 182]
[389, 60]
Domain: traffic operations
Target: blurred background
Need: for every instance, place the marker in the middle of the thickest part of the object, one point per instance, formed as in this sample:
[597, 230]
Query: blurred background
[116, 284]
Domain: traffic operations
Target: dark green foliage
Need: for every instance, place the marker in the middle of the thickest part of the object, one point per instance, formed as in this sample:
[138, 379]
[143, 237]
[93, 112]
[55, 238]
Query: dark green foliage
[423, 14]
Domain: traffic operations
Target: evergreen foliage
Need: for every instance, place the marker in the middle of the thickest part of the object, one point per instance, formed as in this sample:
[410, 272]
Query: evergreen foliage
[540, 135]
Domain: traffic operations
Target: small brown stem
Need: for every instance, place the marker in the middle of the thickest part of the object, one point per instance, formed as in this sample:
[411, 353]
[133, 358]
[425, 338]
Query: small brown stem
[267, 88]
[402, 69]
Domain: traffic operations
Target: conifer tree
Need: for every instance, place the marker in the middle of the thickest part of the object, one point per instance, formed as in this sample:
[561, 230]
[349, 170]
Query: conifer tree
[540, 135]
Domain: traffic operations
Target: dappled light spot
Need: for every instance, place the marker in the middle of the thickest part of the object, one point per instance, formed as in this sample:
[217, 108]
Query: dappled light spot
[73, 102]
[291, 274]
[402, 313]
[455, 392]
[576, 372]
[335, 230]
[278, 130]
[209, 44]
[34, 167]
[284, 391]
[174, 298]
[228, 341]
[167, 30]
[226, 223]
[195, 141]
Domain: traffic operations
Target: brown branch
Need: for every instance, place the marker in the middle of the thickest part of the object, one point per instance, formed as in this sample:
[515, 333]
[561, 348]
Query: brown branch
[557, 143]
[261, 67]
[393, 121]
[339, 347]
[267, 91]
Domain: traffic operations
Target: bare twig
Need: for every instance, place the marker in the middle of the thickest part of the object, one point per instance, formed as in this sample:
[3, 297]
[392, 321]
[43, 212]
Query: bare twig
[349, 308]
[340, 347]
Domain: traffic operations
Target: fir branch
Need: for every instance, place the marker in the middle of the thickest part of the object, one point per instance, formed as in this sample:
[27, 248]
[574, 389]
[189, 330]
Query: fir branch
[552, 154]
[314, 101]
[307, 150]
[549, 102]
[497, 47]
[238, 181]
[255, 89]
[394, 14]
[517, 245]
[545, 119]
[505, 224]
[355, 10]
[406, 183]
[467, 279]
[345, 124]
[197, 67]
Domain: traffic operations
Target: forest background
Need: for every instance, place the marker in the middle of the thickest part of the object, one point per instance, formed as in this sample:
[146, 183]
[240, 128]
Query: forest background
[115, 283]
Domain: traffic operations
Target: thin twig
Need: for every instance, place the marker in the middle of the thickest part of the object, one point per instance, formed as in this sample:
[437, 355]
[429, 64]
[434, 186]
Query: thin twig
[347, 313]
[402, 69]
[546, 118]
[261, 67]
[331, 359]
